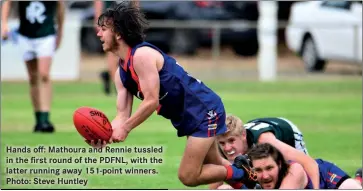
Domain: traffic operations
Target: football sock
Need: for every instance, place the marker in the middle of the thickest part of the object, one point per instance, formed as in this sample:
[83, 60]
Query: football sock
[46, 117]
[41, 117]
[37, 117]
[234, 173]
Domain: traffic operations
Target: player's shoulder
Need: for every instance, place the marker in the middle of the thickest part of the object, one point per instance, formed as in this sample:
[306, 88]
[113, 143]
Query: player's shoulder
[260, 130]
[259, 123]
[270, 121]
[146, 52]
[265, 119]
[297, 169]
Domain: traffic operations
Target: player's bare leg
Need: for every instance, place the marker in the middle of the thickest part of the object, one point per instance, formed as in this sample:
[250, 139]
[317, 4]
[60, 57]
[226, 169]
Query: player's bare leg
[45, 85]
[194, 172]
[32, 68]
[215, 157]
[44, 93]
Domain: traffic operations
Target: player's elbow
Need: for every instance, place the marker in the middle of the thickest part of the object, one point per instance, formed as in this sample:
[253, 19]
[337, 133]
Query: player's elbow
[315, 164]
[153, 103]
[311, 162]
[310, 165]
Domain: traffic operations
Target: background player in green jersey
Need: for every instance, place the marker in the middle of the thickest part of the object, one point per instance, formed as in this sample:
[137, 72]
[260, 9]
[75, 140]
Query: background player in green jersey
[279, 132]
[38, 40]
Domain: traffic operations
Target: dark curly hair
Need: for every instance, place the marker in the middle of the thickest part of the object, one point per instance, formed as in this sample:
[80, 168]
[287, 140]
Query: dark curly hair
[264, 150]
[125, 19]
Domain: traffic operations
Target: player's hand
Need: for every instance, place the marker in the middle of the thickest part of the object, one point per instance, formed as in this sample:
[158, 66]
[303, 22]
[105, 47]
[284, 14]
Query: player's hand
[4, 31]
[98, 144]
[119, 134]
[250, 178]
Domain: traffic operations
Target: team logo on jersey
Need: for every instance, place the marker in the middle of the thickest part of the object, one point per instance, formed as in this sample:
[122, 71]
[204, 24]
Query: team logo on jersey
[333, 176]
[212, 123]
[35, 12]
[212, 126]
[211, 114]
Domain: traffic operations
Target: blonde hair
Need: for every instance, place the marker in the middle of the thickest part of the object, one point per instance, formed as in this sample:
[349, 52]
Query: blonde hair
[234, 126]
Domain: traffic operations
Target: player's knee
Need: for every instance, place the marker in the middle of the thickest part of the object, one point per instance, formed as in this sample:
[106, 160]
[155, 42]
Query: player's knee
[188, 179]
[44, 78]
[350, 184]
[33, 79]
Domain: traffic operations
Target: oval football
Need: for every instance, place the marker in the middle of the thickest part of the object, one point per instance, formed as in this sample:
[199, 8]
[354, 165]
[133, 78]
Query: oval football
[92, 124]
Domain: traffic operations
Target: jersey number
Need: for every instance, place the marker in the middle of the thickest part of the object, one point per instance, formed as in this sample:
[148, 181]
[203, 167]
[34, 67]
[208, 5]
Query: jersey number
[256, 127]
[34, 12]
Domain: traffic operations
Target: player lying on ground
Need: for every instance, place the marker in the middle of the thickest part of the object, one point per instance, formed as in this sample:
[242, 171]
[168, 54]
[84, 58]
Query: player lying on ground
[274, 172]
[164, 86]
[280, 132]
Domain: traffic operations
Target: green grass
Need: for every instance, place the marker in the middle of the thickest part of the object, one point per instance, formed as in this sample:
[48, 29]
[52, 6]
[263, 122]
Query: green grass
[329, 113]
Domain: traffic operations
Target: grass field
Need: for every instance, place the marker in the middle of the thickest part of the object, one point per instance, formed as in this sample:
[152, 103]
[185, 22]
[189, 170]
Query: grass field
[329, 113]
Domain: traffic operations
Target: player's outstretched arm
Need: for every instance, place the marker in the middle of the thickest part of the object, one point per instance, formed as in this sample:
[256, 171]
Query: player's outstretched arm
[123, 107]
[144, 63]
[295, 178]
[124, 103]
[290, 153]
